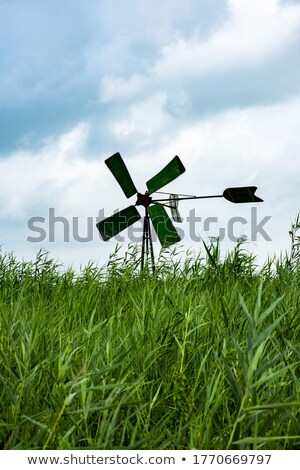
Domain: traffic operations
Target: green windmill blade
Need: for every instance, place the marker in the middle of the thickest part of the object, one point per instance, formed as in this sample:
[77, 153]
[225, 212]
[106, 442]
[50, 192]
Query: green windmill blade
[113, 225]
[163, 226]
[171, 171]
[241, 195]
[118, 168]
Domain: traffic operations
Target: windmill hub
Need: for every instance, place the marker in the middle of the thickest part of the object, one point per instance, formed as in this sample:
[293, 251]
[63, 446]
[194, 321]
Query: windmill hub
[143, 199]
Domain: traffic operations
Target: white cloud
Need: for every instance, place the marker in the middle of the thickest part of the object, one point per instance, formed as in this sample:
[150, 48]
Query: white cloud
[116, 88]
[144, 119]
[56, 176]
[53, 175]
[254, 32]
[257, 142]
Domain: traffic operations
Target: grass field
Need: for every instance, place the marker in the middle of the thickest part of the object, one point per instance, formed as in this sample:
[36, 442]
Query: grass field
[204, 354]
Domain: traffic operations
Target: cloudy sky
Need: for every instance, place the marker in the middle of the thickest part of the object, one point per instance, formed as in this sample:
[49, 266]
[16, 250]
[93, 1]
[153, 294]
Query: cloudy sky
[216, 82]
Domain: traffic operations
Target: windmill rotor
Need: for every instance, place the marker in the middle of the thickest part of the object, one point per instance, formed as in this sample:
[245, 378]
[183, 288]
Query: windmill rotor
[155, 208]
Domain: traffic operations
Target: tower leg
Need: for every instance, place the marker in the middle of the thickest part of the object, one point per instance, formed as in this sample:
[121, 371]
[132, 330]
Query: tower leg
[151, 247]
[147, 245]
[143, 244]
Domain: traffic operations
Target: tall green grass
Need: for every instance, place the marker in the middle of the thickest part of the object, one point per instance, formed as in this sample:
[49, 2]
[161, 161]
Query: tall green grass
[203, 354]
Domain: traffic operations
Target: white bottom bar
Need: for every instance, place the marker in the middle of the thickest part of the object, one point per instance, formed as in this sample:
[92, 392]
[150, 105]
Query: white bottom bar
[191, 459]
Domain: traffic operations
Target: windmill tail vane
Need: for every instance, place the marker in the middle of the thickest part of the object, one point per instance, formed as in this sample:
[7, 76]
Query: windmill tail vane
[155, 208]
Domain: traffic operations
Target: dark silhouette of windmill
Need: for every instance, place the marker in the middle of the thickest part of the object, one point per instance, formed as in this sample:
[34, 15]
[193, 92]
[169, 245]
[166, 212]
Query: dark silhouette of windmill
[154, 208]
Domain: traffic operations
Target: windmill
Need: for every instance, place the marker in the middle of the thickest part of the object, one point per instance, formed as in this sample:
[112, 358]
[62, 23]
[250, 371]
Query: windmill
[154, 208]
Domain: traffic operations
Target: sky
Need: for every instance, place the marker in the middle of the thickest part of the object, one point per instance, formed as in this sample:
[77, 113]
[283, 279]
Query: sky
[216, 82]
